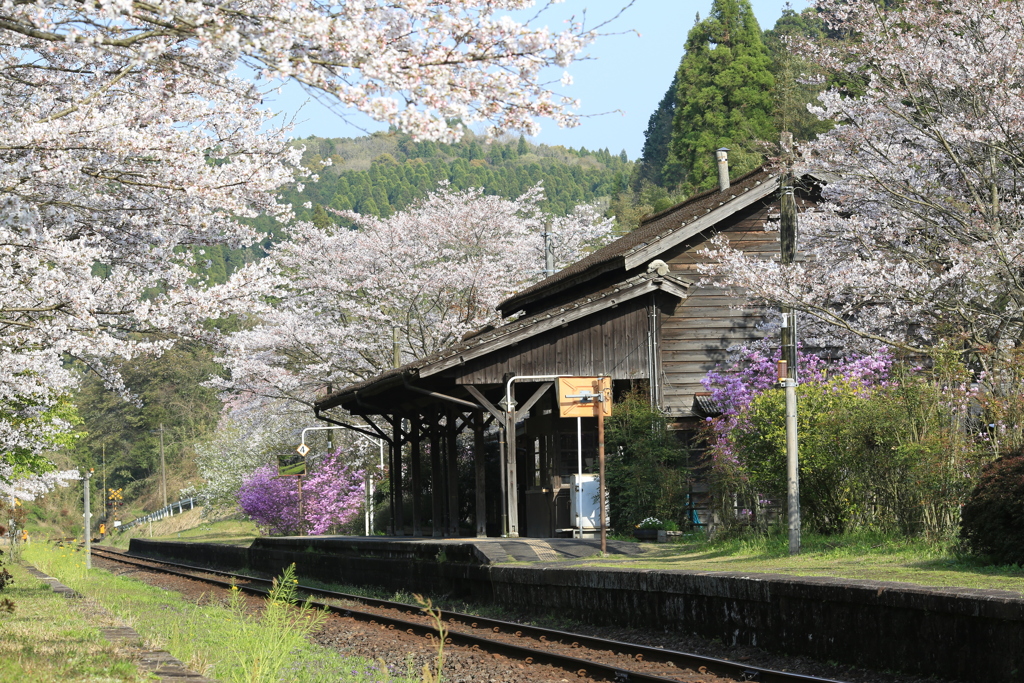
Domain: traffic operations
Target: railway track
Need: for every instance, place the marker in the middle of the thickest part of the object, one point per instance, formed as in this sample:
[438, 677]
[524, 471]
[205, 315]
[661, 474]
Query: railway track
[586, 656]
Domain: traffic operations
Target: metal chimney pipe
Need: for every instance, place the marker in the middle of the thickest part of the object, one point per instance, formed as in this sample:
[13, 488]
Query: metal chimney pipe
[722, 155]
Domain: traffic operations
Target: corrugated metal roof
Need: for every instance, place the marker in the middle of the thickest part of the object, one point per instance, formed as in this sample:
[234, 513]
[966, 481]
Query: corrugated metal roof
[704, 406]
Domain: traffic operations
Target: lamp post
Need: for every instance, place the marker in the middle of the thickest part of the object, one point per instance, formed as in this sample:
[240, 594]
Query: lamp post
[368, 484]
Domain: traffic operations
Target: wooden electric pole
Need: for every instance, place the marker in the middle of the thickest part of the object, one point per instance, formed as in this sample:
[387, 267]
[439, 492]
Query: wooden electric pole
[87, 519]
[163, 466]
[104, 482]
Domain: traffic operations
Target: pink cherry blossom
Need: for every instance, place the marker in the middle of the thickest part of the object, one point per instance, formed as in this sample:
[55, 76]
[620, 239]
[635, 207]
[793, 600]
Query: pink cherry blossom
[433, 272]
[130, 143]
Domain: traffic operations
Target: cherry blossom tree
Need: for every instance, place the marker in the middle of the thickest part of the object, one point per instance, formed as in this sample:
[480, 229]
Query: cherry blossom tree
[432, 272]
[919, 239]
[247, 438]
[414, 64]
[102, 210]
[129, 145]
[28, 486]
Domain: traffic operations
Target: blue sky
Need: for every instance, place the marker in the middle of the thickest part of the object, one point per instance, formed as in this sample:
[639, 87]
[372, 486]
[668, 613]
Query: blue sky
[618, 88]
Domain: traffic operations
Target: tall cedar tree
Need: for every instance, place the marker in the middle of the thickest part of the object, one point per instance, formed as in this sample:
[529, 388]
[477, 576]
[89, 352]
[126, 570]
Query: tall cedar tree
[656, 139]
[796, 84]
[724, 97]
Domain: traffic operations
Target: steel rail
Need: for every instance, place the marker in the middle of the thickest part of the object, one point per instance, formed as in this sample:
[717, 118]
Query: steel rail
[582, 667]
[710, 665]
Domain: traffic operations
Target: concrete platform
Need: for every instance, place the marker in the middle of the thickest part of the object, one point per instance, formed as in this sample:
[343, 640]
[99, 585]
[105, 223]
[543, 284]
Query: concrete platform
[487, 550]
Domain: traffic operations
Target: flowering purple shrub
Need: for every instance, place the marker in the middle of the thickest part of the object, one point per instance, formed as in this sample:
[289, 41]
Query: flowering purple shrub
[271, 501]
[332, 495]
[752, 372]
[888, 446]
[743, 441]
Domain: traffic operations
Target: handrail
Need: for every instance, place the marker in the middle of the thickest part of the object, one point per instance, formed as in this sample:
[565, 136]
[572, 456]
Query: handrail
[159, 514]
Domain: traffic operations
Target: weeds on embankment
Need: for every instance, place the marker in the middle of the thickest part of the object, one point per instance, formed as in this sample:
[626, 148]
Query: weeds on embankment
[224, 641]
[47, 640]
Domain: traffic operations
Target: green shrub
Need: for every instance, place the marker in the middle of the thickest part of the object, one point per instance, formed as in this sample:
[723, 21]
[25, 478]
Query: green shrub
[896, 458]
[918, 455]
[830, 498]
[992, 520]
[646, 465]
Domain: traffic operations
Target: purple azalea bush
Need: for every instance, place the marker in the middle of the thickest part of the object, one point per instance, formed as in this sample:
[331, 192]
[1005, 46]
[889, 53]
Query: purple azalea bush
[271, 501]
[332, 494]
[734, 388]
[753, 371]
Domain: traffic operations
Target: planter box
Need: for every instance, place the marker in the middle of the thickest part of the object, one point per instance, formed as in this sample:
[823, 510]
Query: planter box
[655, 535]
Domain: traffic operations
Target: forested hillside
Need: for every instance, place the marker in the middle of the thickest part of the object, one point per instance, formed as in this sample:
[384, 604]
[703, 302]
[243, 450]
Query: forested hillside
[383, 173]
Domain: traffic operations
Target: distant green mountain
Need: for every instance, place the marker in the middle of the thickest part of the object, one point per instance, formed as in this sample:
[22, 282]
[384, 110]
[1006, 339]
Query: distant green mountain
[383, 173]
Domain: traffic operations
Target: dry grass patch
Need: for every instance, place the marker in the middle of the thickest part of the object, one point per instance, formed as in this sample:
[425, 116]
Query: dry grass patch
[189, 526]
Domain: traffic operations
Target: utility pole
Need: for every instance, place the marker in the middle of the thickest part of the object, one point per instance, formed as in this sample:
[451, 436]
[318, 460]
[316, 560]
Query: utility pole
[163, 466]
[395, 459]
[549, 252]
[396, 348]
[88, 526]
[602, 489]
[788, 232]
[104, 482]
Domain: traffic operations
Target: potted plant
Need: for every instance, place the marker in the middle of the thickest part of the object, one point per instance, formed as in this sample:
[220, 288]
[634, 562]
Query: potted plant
[653, 529]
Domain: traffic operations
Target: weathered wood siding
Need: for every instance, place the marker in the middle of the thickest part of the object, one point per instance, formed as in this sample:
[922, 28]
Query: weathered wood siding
[696, 334]
[612, 342]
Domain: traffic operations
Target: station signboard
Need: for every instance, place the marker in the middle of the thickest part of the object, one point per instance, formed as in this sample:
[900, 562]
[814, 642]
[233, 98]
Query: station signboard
[578, 396]
[291, 465]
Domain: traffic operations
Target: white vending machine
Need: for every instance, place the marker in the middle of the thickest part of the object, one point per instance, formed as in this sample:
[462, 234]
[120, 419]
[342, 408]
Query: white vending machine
[583, 500]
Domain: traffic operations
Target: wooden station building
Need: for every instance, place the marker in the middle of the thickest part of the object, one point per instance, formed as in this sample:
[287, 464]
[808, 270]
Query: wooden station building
[632, 311]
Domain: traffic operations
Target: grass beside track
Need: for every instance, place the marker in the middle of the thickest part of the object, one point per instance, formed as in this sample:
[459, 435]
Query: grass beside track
[217, 639]
[50, 640]
[189, 526]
